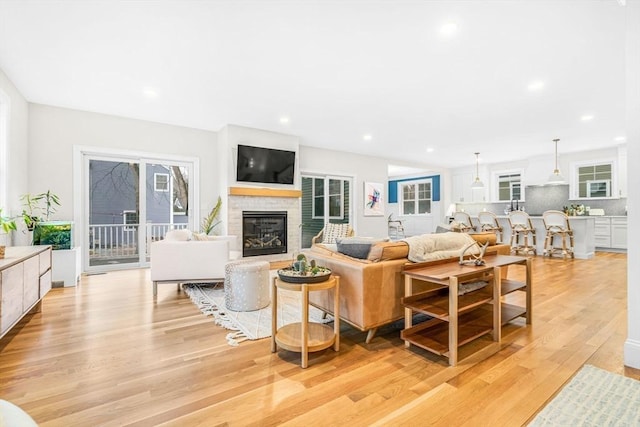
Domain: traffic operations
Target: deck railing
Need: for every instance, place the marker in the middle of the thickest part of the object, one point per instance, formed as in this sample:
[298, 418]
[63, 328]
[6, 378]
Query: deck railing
[115, 243]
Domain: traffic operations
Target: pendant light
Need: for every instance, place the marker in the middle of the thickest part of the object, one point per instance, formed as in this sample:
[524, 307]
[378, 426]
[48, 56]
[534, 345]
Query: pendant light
[556, 178]
[477, 183]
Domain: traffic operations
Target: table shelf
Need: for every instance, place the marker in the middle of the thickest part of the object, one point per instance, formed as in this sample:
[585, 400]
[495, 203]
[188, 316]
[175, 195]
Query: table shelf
[305, 336]
[460, 319]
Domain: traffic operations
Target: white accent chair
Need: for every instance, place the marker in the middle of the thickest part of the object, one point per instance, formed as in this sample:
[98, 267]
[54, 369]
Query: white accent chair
[180, 259]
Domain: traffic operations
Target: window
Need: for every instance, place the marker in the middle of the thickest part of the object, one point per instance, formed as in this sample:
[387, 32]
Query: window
[506, 185]
[130, 220]
[509, 187]
[4, 134]
[336, 199]
[416, 198]
[161, 181]
[594, 180]
[318, 198]
[335, 196]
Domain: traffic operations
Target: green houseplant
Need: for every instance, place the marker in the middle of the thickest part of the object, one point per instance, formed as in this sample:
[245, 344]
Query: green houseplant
[38, 207]
[8, 225]
[211, 221]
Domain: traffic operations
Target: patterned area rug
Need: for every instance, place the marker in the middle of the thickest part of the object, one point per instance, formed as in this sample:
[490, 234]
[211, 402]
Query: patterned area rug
[594, 397]
[248, 325]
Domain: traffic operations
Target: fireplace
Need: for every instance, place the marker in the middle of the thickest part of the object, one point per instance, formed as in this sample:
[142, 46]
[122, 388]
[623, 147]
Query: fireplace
[264, 233]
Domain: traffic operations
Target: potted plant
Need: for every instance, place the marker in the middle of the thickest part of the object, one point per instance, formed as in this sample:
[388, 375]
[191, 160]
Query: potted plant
[8, 225]
[211, 221]
[303, 271]
[44, 204]
[37, 209]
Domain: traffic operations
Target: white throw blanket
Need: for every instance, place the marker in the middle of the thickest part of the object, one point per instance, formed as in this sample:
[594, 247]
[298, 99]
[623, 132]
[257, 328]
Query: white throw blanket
[429, 247]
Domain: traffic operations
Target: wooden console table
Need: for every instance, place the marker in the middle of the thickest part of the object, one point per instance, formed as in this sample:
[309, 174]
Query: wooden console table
[305, 336]
[459, 319]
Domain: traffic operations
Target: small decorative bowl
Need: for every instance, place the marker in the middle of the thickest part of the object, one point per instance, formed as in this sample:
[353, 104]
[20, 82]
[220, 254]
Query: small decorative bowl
[292, 276]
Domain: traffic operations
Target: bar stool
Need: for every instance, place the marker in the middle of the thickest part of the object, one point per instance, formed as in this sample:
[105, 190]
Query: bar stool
[557, 225]
[464, 222]
[489, 222]
[521, 230]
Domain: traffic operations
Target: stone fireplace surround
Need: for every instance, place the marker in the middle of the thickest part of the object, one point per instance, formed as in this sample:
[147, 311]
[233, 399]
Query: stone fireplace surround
[261, 199]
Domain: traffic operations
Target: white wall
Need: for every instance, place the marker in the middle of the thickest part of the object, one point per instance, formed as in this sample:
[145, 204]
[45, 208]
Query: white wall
[17, 146]
[54, 131]
[632, 344]
[362, 169]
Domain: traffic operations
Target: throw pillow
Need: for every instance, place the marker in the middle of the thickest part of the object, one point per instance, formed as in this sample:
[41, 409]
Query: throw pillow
[182, 235]
[334, 231]
[356, 247]
[443, 229]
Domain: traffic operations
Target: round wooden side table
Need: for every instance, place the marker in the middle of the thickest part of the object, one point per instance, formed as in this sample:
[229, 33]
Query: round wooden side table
[305, 336]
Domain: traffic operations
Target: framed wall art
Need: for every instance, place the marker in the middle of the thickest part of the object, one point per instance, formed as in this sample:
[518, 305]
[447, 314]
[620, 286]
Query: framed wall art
[373, 202]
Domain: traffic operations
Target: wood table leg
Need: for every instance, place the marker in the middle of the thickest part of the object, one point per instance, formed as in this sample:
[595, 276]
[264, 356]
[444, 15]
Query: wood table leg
[453, 321]
[274, 315]
[304, 339]
[336, 311]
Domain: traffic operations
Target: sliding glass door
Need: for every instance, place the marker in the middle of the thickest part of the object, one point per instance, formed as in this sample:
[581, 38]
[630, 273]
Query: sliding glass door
[324, 199]
[129, 203]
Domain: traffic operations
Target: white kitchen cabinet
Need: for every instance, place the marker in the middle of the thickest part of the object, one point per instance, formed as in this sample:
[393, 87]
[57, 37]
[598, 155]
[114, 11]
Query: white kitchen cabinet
[602, 232]
[25, 278]
[462, 187]
[611, 232]
[619, 232]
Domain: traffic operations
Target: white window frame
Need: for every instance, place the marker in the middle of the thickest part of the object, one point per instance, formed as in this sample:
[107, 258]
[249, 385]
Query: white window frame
[127, 226]
[155, 182]
[495, 184]
[314, 197]
[574, 185]
[326, 197]
[417, 200]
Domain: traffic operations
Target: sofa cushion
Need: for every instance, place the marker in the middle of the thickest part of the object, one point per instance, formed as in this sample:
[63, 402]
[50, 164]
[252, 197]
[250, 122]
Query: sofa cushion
[201, 237]
[335, 231]
[484, 237]
[356, 247]
[383, 251]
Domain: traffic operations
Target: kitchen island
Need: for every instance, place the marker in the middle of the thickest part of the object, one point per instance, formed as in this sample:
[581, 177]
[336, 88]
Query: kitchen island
[583, 233]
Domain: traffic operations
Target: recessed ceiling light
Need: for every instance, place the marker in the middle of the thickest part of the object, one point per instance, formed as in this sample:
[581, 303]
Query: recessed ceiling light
[448, 29]
[620, 138]
[430, 150]
[534, 86]
[586, 117]
[150, 92]
[284, 119]
[367, 137]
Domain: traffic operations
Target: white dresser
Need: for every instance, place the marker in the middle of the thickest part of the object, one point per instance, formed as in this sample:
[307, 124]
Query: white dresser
[25, 278]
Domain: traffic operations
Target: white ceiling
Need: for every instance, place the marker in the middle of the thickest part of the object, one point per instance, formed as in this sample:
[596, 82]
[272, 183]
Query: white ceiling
[338, 70]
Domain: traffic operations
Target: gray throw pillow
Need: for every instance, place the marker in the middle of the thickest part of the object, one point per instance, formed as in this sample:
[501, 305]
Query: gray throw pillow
[355, 247]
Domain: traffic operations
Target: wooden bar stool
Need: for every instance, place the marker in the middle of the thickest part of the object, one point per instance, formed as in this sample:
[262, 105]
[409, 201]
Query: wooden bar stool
[489, 222]
[463, 220]
[523, 234]
[557, 225]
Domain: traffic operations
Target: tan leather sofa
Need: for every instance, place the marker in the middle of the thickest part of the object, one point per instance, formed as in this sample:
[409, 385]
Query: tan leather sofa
[370, 289]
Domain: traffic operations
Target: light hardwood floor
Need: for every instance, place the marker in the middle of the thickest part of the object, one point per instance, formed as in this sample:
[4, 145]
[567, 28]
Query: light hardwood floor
[106, 353]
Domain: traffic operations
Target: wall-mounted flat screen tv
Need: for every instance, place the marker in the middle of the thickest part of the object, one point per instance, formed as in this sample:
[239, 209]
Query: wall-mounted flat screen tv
[265, 165]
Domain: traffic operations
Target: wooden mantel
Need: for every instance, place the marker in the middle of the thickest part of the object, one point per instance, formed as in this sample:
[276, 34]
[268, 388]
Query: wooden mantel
[264, 192]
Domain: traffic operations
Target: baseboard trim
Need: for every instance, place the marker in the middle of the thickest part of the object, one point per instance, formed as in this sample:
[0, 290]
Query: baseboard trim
[632, 353]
